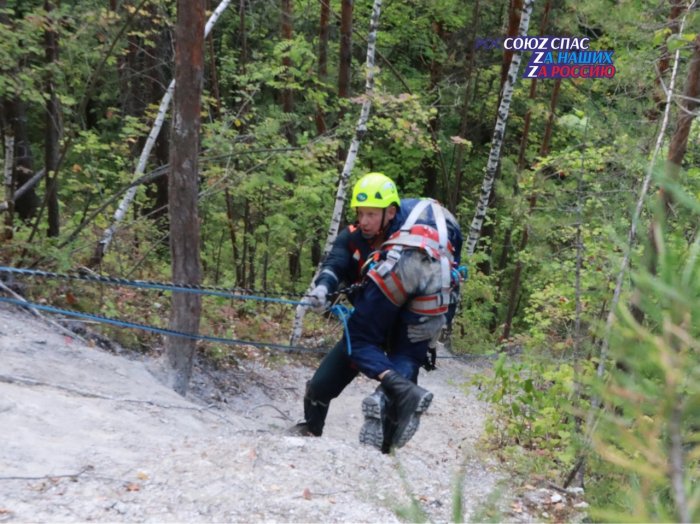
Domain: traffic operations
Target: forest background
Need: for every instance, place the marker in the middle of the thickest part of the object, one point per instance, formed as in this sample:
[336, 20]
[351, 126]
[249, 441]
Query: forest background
[585, 279]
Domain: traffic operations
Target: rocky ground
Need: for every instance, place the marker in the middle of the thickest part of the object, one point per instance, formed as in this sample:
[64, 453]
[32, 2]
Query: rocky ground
[88, 435]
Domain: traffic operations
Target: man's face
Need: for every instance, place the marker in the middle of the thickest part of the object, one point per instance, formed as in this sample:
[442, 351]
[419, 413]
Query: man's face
[370, 219]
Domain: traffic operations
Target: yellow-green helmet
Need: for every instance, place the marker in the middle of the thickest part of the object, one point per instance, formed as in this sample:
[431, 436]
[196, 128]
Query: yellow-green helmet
[375, 190]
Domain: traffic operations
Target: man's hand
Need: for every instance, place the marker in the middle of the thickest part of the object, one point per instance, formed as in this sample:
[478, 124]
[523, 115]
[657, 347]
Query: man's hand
[428, 328]
[317, 299]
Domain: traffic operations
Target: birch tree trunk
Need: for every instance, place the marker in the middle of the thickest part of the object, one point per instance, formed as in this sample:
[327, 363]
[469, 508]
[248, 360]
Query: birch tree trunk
[120, 213]
[184, 218]
[498, 134]
[360, 131]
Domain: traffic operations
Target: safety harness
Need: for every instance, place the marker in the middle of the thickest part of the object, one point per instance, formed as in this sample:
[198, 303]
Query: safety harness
[432, 240]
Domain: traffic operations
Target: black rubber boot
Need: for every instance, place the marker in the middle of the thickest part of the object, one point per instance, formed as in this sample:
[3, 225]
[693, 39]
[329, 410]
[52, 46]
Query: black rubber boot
[389, 430]
[374, 410]
[315, 412]
[408, 402]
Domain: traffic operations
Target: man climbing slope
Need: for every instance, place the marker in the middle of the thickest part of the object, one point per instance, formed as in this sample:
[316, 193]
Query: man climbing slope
[399, 311]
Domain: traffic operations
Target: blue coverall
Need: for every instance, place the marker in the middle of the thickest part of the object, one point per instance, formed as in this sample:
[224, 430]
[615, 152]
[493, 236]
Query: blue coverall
[378, 328]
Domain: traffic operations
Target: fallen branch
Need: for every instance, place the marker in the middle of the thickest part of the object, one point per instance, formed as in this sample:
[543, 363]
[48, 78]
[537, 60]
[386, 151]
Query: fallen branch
[85, 469]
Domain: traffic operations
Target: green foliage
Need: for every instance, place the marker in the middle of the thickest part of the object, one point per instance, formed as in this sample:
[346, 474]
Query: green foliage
[471, 332]
[280, 176]
[533, 404]
[650, 429]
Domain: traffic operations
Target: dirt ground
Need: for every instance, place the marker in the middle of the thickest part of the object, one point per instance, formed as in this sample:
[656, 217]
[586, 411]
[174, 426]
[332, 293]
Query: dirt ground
[88, 435]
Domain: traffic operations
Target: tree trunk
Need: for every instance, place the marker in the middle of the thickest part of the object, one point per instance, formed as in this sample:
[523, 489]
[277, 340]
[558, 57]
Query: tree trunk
[544, 150]
[497, 139]
[489, 229]
[9, 141]
[514, 14]
[53, 125]
[213, 74]
[287, 94]
[456, 196]
[688, 104]
[430, 168]
[232, 231]
[677, 148]
[323, 32]
[15, 123]
[243, 35]
[360, 131]
[664, 60]
[27, 203]
[320, 117]
[157, 191]
[184, 217]
[294, 257]
[345, 63]
[247, 228]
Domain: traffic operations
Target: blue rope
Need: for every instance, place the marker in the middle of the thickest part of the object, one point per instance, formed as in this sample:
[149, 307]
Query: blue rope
[153, 329]
[196, 290]
[343, 313]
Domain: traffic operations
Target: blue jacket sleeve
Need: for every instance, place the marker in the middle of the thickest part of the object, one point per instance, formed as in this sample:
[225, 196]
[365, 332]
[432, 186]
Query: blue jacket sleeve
[338, 266]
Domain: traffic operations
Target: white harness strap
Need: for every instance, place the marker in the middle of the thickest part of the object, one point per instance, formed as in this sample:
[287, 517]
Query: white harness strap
[436, 303]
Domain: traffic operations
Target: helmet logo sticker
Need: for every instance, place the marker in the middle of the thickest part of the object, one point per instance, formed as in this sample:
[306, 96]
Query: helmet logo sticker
[361, 197]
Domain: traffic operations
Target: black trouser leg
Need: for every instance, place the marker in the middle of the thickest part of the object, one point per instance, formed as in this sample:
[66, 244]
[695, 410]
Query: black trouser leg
[332, 376]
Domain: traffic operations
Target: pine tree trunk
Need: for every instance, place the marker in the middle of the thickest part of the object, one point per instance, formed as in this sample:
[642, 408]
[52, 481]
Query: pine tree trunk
[243, 35]
[430, 168]
[232, 231]
[665, 59]
[53, 126]
[247, 228]
[514, 13]
[360, 131]
[497, 139]
[294, 257]
[213, 73]
[287, 95]
[455, 197]
[688, 103]
[323, 32]
[517, 274]
[345, 63]
[677, 148]
[184, 216]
